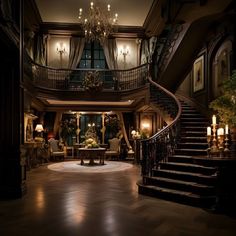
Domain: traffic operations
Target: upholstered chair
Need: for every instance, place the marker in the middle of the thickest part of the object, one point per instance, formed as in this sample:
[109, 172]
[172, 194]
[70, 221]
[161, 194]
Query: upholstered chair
[56, 151]
[114, 149]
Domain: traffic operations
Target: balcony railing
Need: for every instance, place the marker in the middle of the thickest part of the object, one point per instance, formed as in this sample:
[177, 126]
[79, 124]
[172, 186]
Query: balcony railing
[66, 79]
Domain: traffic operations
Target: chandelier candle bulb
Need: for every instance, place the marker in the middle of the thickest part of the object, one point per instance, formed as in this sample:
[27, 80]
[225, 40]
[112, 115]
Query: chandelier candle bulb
[98, 23]
[208, 131]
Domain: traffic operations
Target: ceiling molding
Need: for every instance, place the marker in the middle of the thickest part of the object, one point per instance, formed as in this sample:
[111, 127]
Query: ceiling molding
[75, 29]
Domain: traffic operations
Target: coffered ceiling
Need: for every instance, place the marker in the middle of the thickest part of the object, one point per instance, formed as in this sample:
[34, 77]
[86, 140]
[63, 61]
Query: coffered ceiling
[130, 12]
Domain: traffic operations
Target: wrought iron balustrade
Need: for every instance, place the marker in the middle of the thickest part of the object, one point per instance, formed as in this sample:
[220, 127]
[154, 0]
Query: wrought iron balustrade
[158, 147]
[68, 79]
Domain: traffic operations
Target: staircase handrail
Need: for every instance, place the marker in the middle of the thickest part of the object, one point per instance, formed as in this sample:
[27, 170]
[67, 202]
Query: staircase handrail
[169, 45]
[159, 146]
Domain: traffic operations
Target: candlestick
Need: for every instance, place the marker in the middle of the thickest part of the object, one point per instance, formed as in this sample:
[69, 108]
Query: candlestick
[226, 150]
[214, 140]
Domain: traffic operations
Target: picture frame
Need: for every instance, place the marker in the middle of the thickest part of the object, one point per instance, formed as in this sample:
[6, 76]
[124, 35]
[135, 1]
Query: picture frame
[198, 74]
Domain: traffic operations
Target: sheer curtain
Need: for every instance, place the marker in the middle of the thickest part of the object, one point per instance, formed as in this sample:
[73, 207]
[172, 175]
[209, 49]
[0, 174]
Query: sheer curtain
[110, 51]
[76, 51]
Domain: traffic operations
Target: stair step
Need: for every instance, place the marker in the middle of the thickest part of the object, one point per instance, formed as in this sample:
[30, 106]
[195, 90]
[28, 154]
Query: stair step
[193, 134]
[181, 185]
[191, 115]
[202, 145]
[177, 196]
[193, 143]
[193, 119]
[194, 123]
[194, 128]
[190, 151]
[187, 167]
[193, 138]
[180, 159]
[186, 176]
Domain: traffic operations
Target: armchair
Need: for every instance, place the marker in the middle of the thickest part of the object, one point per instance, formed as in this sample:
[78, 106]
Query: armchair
[55, 150]
[114, 148]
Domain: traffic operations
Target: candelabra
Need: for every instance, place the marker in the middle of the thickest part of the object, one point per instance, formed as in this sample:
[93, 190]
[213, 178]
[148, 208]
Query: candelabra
[217, 140]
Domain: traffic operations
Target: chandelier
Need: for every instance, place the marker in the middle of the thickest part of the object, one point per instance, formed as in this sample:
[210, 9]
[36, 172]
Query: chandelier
[98, 24]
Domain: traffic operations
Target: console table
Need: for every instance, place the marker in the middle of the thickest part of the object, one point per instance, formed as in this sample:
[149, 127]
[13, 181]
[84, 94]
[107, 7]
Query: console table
[91, 154]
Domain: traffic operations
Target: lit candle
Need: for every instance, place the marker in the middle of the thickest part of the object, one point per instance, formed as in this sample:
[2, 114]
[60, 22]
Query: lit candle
[208, 131]
[226, 129]
[108, 7]
[116, 15]
[91, 4]
[214, 120]
[220, 131]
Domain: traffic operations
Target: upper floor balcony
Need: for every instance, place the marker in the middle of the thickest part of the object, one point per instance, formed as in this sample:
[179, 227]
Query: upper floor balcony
[59, 86]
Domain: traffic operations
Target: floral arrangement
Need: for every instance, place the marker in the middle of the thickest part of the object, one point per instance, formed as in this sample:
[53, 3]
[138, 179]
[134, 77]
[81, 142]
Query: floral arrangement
[92, 81]
[91, 143]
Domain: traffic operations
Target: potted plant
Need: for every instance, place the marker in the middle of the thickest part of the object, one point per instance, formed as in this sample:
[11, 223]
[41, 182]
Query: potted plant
[225, 105]
[68, 129]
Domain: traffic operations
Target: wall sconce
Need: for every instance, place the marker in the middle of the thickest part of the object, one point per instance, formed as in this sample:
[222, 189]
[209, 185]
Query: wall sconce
[61, 49]
[124, 51]
[145, 125]
[146, 129]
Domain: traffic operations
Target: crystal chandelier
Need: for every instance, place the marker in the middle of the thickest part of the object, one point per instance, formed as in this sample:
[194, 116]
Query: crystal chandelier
[98, 24]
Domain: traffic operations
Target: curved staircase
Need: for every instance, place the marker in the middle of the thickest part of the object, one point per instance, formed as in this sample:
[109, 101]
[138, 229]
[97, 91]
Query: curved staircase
[186, 175]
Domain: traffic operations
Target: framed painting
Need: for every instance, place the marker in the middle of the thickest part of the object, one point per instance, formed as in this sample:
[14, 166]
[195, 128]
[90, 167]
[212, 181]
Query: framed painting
[198, 74]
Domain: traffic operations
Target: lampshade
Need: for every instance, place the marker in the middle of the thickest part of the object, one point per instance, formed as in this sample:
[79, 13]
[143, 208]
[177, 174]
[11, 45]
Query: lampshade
[39, 128]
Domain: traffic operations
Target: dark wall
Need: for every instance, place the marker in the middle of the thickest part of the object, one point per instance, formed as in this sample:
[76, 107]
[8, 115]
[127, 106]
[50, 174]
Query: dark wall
[221, 31]
[12, 171]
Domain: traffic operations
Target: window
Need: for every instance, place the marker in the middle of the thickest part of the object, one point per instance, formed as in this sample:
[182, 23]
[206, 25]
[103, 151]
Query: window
[93, 56]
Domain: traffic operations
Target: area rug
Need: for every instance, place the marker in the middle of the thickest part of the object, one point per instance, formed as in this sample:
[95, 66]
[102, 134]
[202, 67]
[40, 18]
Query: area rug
[74, 166]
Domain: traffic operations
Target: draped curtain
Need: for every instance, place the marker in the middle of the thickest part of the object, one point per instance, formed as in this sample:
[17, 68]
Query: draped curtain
[76, 51]
[147, 49]
[40, 49]
[110, 51]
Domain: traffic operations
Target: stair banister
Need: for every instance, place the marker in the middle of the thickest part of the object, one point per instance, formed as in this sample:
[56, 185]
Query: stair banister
[161, 145]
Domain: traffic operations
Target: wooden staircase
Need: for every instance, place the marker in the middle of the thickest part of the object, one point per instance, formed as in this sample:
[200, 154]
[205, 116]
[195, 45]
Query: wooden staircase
[186, 177]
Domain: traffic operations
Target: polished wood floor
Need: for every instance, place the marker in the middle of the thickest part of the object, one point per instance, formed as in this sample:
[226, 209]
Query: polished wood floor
[101, 205]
